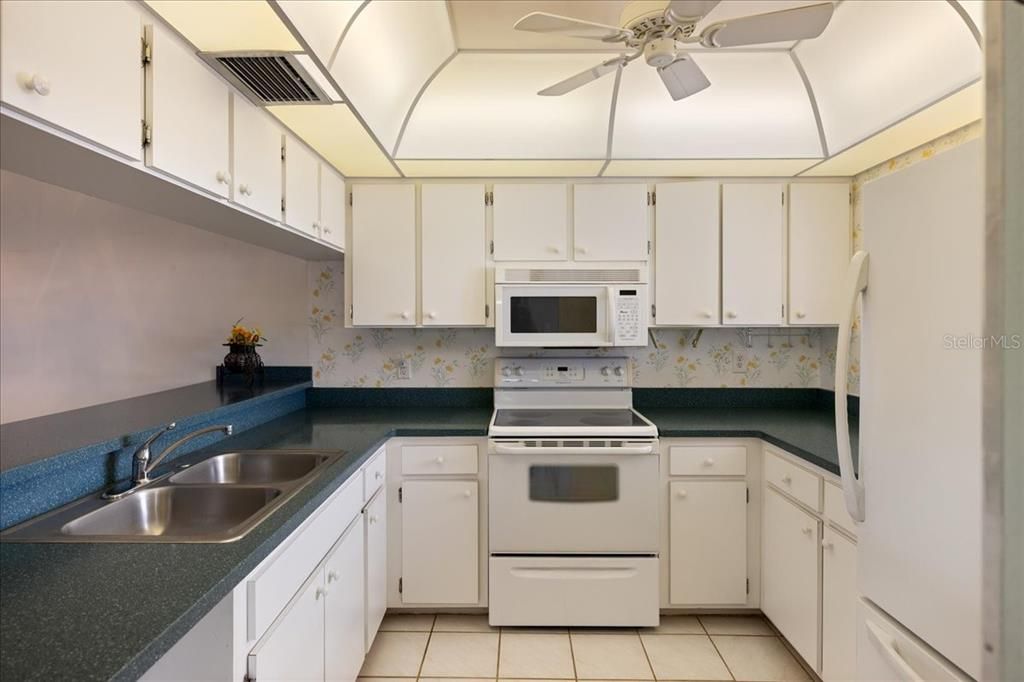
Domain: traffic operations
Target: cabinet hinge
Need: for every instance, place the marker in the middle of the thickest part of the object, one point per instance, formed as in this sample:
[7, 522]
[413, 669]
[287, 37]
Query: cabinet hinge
[748, 585]
[783, 311]
[487, 311]
[654, 311]
[654, 198]
[399, 586]
[488, 198]
[491, 247]
[648, 198]
[282, 152]
[399, 501]
[350, 199]
[147, 134]
[648, 247]
[748, 495]
[282, 205]
[851, 198]
[147, 52]
[352, 316]
[783, 197]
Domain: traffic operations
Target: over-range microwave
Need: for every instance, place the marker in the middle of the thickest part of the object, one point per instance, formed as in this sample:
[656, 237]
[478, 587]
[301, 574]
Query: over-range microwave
[570, 307]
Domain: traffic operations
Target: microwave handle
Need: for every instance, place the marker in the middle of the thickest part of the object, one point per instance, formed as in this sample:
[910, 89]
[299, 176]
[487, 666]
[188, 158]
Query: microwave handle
[610, 323]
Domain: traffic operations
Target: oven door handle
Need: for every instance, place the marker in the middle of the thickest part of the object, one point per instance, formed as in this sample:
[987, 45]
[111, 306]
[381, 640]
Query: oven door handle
[502, 449]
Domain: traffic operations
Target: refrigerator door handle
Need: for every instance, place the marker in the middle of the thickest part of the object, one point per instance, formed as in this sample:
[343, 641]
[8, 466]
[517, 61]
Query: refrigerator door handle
[856, 283]
[887, 645]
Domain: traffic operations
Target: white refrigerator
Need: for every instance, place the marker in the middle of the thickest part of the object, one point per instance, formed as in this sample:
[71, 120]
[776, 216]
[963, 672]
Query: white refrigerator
[920, 279]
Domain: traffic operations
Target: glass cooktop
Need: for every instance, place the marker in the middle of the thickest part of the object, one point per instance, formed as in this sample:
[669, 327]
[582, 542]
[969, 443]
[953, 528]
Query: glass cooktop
[559, 418]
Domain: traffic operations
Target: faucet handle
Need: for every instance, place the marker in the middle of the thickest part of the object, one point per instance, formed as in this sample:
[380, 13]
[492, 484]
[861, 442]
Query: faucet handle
[149, 441]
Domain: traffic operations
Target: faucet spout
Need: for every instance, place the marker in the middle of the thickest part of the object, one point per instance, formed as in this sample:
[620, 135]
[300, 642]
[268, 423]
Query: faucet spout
[226, 428]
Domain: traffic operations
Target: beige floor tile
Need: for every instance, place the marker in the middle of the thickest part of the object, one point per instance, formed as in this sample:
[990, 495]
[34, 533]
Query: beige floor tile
[407, 622]
[535, 656]
[461, 654]
[385, 679]
[684, 657]
[395, 654]
[447, 622]
[450, 679]
[759, 659]
[676, 625]
[736, 625]
[610, 657]
[526, 630]
[603, 631]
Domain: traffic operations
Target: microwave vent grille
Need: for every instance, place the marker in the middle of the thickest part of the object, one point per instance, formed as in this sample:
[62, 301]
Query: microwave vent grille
[555, 275]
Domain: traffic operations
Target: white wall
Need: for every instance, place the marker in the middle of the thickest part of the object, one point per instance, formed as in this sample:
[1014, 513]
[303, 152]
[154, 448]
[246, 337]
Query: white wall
[99, 302]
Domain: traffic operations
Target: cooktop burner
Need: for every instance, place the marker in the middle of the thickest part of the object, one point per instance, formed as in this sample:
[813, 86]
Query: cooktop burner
[568, 418]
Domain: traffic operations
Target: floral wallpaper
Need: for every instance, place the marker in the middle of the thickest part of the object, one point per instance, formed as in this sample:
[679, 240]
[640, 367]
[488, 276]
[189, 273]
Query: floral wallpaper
[464, 357]
[894, 165]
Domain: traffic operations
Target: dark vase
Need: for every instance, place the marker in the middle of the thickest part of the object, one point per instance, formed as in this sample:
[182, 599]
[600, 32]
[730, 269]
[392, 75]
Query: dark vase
[242, 358]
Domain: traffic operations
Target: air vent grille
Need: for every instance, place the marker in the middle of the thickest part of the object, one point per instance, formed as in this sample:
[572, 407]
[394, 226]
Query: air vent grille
[269, 78]
[571, 275]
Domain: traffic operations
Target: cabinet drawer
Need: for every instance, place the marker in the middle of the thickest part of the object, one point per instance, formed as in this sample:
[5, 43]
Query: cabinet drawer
[272, 585]
[426, 460]
[374, 473]
[835, 508]
[707, 460]
[795, 481]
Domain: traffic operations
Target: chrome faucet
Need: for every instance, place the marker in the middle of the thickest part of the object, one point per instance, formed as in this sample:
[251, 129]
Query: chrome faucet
[141, 464]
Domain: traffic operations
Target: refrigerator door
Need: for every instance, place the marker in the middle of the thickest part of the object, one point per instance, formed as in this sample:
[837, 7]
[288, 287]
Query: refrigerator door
[887, 651]
[919, 547]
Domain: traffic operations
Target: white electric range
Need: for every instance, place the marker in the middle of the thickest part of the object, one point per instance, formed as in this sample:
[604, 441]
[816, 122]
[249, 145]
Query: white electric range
[573, 470]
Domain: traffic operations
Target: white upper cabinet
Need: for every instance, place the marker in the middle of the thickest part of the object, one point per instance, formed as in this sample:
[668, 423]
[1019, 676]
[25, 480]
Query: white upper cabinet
[301, 187]
[77, 65]
[332, 206]
[531, 222]
[454, 255]
[256, 152]
[188, 108]
[383, 255]
[819, 250]
[610, 222]
[752, 254]
[686, 254]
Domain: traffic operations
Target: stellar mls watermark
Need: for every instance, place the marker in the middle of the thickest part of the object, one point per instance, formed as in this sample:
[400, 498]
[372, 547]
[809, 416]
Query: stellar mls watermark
[974, 342]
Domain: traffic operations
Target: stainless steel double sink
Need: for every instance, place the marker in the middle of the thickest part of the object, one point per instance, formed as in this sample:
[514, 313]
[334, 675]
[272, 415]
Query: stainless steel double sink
[218, 498]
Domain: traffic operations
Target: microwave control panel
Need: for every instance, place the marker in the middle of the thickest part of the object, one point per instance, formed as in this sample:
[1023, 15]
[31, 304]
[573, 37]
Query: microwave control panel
[630, 326]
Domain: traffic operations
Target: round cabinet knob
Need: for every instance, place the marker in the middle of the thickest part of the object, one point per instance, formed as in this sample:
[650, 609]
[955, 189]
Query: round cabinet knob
[552, 248]
[467, 494]
[518, 371]
[581, 250]
[332, 576]
[826, 545]
[806, 531]
[326, 229]
[320, 592]
[38, 84]
[800, 314]
[405, 314]
[378, 475]
[605, 371]
[223, 178]
[731, 315]
[709, 462]
[787, 479]
[432, 315]
[244, 190]
[706, 315]
[619, 371]
[681, 494]
[439, 459]
[373, 519]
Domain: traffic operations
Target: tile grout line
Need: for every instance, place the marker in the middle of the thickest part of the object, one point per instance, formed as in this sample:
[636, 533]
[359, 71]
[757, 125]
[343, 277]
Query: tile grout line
[711, 639]
[647, 656]
[572, 656]
[430, 635]
[497, 663]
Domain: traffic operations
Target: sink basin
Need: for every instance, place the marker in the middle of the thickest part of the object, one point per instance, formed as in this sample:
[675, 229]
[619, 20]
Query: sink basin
[251, 468]
[180, 512]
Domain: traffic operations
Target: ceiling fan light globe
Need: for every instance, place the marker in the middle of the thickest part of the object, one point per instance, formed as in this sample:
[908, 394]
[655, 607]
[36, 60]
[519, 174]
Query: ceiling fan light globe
[660, 52]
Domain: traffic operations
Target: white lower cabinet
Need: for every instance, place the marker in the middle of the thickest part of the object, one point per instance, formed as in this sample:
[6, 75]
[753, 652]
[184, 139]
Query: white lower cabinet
[293, 647]
[838, 607]
[790, 552]
[344, 608]
[708, 542]
[376, 527]
[440, 549]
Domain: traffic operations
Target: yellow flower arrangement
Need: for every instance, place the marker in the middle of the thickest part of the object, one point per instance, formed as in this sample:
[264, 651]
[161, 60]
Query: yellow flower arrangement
[245, 336]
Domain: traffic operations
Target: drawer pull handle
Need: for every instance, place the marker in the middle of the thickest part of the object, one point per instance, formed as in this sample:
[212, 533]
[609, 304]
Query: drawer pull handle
[709, 462]
[826, 545]
[38, 84]
[373, 519]
[439, 459]
[320, 592]
[681, 493]
[332, 576]
[467, 494]
[378, 475]
[806, 531]
[787, 479]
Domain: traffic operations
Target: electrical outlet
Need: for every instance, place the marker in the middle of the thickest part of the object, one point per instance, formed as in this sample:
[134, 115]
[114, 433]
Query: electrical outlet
[404, 371]
[739, 362]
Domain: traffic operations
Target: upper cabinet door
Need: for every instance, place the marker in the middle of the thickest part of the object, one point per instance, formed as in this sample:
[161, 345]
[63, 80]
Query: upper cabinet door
[301, 187]
[752, 254]
[77, 65]
[332, 206]
[610, 222]
[256, 147]
[383, 255]
[187, 107]
[819, 250]
[686, 254]
[531, 222]
[454, 255]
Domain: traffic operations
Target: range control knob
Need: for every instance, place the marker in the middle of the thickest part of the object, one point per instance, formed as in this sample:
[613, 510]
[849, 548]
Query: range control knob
[506, 371]
[518, 371]
[605, 371]
[619, 371]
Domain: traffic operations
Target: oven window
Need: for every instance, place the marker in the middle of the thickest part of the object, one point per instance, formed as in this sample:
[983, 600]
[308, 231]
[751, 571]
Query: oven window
[553, 314]
[574, 483]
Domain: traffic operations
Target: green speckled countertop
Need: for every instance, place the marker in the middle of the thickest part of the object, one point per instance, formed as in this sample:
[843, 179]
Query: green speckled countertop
[109, 611]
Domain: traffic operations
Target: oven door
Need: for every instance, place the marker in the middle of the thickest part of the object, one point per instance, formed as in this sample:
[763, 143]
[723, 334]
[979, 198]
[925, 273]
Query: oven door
[569, 499]
[545, 315]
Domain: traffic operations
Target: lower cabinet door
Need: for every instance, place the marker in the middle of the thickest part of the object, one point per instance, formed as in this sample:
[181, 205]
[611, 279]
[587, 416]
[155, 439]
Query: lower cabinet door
[790, 539]
[292, 649]
[376, 524]
[344, 617]
[440, 542]
[838, 608]
[708, 542]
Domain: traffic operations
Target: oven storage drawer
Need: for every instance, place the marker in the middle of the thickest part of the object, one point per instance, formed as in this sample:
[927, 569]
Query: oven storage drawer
[573, 591]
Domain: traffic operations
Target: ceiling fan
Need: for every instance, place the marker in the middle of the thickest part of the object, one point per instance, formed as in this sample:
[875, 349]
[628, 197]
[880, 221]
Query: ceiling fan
[660, 34]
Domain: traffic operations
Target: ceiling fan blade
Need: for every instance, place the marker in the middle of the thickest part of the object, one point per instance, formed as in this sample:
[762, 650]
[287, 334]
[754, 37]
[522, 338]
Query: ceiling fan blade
[689, 11]
[799, 23]
[573, 82]
[542, 22]
[683, 78]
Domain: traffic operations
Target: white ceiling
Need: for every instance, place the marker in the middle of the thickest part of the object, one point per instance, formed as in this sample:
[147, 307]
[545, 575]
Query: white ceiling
[449, 88]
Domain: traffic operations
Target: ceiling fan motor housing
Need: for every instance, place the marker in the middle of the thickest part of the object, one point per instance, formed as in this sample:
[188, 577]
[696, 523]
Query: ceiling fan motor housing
[660, 52]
